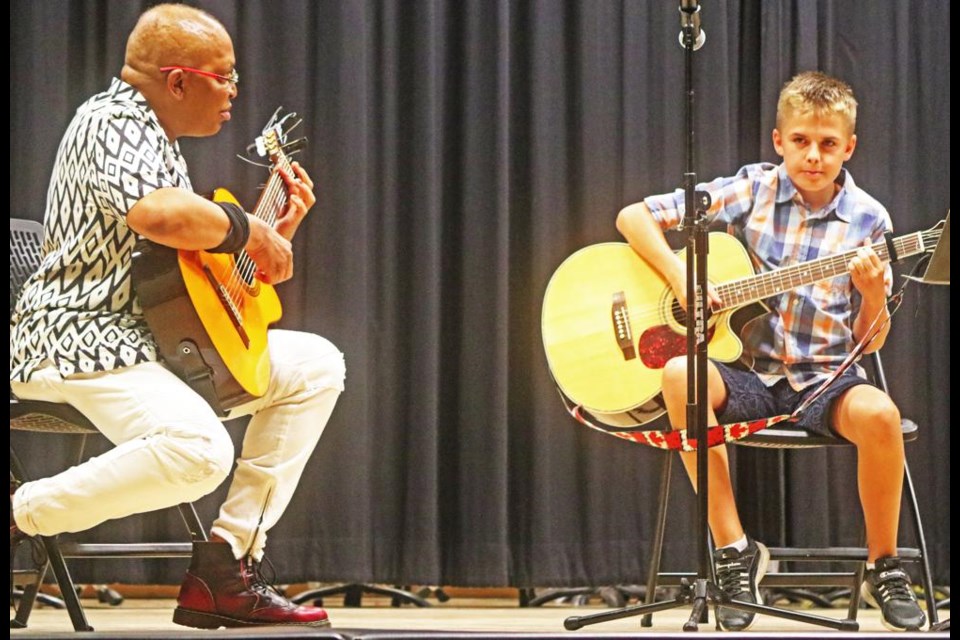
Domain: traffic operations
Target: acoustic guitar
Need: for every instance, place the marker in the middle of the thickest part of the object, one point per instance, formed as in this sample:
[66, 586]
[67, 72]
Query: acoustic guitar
[611, 322]
[208, 312]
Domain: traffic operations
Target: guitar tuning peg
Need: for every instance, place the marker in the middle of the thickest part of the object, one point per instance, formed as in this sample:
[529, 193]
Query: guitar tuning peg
[273, 119]
[294, 146]
[249, 161]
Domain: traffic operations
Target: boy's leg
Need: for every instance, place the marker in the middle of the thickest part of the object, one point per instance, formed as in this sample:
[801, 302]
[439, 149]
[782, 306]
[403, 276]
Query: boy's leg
[723, 517]
[868, 418]
[739, 568]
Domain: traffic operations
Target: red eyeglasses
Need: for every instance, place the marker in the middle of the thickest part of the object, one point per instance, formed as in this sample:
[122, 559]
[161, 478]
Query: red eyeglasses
[233, 78]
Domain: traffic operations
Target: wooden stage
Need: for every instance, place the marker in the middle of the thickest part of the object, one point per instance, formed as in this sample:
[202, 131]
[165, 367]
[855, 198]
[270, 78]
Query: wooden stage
[458, 617]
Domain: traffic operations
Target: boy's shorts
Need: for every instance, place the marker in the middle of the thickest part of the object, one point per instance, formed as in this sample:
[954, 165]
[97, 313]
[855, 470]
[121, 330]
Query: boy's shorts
[749, 399]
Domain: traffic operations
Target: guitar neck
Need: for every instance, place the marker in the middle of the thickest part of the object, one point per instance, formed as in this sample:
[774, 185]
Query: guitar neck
[273, 198]
[272, 201]
[738, 293]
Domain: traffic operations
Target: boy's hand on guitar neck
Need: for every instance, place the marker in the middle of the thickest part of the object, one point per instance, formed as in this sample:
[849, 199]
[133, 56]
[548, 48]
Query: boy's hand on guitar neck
[301, 198]
[868, 271]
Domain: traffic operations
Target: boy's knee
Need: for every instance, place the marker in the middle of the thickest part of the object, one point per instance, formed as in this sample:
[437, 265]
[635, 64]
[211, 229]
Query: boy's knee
[876, 420]
[675, 374]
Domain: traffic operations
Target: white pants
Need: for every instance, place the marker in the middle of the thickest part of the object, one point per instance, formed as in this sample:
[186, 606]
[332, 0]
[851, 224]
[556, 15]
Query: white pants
[172, 448]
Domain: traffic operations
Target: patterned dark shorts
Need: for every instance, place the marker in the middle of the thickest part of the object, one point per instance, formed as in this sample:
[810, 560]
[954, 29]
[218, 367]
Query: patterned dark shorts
[749, 399]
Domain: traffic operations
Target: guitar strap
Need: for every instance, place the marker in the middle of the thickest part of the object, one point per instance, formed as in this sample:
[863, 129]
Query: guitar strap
[677, 440]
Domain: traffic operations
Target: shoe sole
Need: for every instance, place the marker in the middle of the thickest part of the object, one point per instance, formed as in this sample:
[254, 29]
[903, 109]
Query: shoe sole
[204, 620]
[761, 571]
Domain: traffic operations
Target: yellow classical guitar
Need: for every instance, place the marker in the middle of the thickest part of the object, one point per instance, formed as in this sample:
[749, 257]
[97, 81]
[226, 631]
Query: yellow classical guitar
[610, 321]
[208, 312]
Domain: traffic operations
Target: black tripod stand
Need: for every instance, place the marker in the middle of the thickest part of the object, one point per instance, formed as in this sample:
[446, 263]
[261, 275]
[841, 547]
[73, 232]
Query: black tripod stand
[704, 590]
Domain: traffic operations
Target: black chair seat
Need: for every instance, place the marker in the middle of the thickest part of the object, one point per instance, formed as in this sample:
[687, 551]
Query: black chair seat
[48, 417]
[791, 437]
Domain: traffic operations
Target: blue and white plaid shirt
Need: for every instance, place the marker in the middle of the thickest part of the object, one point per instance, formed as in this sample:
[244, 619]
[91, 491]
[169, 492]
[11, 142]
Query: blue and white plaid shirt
[809, 330]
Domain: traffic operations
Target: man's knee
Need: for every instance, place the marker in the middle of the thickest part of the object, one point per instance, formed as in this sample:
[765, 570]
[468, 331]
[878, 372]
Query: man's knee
[324, 368]
[198, 459]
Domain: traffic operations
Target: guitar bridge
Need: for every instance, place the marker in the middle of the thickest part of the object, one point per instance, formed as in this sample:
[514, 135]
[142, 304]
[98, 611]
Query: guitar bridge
[232, 312]
[622, 329]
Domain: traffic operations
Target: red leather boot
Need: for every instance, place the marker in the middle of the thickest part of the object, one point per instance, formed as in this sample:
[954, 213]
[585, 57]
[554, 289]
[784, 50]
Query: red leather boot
[221, 591]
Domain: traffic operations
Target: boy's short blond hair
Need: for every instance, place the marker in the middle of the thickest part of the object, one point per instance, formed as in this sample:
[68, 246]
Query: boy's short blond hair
[816, 92]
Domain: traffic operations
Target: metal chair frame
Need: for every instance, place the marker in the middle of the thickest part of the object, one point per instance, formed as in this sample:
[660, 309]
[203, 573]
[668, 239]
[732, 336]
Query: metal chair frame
[782, 438]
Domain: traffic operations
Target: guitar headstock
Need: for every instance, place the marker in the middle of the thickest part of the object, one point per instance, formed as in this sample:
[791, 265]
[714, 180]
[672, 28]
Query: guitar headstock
[273, 141]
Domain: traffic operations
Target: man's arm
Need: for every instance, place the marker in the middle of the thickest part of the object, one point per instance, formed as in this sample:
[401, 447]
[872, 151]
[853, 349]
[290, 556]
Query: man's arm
[181, 219]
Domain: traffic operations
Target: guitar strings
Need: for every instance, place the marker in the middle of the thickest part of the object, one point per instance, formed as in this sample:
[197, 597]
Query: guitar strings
[272, 200]
[739, 292]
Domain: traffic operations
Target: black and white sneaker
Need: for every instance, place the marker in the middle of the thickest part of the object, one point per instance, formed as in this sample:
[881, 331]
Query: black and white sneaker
[887, 587]
[738, 576]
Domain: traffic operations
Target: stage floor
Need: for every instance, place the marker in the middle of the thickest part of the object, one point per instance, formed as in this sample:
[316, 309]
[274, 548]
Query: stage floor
[152, 619]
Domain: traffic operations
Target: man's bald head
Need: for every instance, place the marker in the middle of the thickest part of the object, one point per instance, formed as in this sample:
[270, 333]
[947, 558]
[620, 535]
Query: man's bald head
[173, 34]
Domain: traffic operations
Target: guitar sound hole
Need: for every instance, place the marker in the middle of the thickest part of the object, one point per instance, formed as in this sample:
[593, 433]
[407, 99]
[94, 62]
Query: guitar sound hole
[245, 268]
[679, 313]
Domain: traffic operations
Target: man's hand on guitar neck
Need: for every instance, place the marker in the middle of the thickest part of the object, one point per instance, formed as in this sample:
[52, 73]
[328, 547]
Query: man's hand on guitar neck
[269, 247]
[270, 251]
[301, 198]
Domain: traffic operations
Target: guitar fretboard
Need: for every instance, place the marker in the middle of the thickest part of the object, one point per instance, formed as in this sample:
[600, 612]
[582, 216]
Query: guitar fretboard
[736, 293]
[272, 201]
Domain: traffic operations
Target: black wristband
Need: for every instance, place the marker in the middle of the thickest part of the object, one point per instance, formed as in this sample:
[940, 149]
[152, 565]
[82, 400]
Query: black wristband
[239, 231]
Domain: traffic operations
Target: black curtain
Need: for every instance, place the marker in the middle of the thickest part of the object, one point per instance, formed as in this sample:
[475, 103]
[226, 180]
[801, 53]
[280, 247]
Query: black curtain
[461, 151]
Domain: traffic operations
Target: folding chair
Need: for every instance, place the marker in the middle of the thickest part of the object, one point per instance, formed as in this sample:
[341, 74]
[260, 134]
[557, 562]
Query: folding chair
[49, 417]
[782, 438]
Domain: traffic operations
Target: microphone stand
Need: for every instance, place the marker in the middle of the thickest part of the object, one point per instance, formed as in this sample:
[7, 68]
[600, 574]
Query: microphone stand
[704, 590]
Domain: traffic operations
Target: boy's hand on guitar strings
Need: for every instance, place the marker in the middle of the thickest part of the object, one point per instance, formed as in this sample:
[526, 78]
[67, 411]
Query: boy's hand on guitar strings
[680, 291]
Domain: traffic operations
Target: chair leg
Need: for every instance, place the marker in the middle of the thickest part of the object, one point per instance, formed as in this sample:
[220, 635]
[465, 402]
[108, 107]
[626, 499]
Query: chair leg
[922, 544]
[67, 591]
[55, 561]
[27, 597]
[192, 521]
[653, 573]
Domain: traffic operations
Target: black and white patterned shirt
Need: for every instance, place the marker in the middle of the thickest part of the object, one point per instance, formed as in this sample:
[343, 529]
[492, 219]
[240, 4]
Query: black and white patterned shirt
[79, 311]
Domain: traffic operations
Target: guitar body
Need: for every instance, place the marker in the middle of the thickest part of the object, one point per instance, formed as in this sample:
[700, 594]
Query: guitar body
[609, 327]
[610, 322]
[210, 324]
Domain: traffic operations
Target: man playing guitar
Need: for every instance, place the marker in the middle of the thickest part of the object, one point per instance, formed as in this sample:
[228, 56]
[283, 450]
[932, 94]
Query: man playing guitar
[78, 334]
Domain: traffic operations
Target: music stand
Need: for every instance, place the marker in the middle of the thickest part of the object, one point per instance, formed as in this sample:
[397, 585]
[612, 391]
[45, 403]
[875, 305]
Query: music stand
[938, 266]
[938, 272]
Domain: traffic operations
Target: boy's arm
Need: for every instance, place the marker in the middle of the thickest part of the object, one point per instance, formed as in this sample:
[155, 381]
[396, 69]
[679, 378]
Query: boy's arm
[641, 230]
[868, 273]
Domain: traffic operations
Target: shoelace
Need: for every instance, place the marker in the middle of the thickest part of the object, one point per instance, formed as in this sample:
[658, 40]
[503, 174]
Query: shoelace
[733, 575]
[893, 585]
[259, 582]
